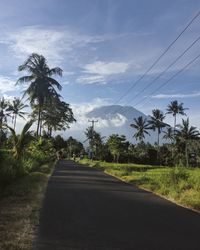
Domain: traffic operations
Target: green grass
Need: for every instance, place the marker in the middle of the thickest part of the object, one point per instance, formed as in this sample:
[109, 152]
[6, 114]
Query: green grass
[181, 185]
[19, 209]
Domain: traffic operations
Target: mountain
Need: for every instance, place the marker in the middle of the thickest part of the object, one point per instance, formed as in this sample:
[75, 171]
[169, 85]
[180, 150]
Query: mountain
[106, 112]
[113, 119]
[117, 119]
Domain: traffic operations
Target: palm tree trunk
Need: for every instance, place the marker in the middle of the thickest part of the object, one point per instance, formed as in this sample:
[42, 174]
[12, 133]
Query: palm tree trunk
[174, 124]
[50, 131]
[40, 126]
[39, 118]
[15, 120]
[186, 155]
[158, 143]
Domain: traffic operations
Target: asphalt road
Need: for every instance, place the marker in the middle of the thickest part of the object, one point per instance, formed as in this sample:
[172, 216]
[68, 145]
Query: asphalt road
[85, 209]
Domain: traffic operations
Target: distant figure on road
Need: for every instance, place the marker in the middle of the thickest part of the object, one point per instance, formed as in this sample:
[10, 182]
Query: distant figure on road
[59, 155]
[74, 157]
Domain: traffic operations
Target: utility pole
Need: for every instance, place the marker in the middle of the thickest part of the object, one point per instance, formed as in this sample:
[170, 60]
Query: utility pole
[92, 139]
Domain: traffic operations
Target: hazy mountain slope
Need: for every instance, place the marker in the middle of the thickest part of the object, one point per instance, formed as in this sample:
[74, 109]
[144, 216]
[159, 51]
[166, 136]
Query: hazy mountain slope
[114, 119]
[111, 111]
[118, 120]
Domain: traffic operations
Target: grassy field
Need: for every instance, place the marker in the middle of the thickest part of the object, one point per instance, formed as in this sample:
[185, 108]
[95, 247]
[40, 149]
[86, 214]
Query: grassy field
[19, 209]
[181, 185]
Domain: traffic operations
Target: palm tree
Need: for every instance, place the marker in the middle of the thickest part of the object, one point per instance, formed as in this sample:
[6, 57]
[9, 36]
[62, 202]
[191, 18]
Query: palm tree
[15, 108]
[90, 136]
[3, 111]
[168, 134]
[42, 85]
[186, 134]
[19, 142]
[141, 126]
[175, 108]
[98, 144]
[3, 119]
[156, 122]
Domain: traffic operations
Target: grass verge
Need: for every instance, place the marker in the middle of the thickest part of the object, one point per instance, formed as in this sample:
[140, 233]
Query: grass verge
[179, 184]
[20, 203]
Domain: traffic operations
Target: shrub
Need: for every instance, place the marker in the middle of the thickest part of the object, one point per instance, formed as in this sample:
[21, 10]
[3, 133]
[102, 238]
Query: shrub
[8, 168]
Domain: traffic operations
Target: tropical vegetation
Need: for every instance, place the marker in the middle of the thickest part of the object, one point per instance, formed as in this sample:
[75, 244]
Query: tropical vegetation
[27, 152]
[22, 153]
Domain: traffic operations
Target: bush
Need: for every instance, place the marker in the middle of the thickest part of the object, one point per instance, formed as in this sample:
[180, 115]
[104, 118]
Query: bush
[174, 182]
[8, 168]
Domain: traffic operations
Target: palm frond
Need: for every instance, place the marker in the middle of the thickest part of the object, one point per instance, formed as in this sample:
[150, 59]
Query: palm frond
[55, 71]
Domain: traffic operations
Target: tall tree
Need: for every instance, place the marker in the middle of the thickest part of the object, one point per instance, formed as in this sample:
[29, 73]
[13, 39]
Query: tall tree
[168, 134]
[157, 122]
[117, 145]
[141, 126]
[3, 111]
[42, 85]
[98, 145]
[185, 134]
[15, 109]
[90, 137]
[175, 109]
[58, 118]
[74, 147]
[3, 119]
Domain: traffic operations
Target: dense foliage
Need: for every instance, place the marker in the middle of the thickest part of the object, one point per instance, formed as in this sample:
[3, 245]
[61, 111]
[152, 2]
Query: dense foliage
[25, 152]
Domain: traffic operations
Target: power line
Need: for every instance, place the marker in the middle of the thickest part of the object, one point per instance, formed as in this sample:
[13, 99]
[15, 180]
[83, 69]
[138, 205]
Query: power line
[171, 78]
[158, 59]
[164, 71]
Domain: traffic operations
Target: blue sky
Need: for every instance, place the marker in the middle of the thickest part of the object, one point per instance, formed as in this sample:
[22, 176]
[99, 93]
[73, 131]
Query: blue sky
[104, 46]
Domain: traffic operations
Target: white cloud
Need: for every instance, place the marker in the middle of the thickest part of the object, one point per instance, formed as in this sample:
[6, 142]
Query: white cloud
[166, 96]
[7, 84]
[52, 43]
[98, 72]
[81, 110]
[68, 73]
[65, 83]
[33, 39]
[106, 68]
[9, 97]
[91, 79]
[118, 121]
[194, 119]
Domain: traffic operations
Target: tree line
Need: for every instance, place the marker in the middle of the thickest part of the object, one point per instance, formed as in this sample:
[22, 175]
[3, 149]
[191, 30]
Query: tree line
[23, 152]
[42, 106]
[178, 147]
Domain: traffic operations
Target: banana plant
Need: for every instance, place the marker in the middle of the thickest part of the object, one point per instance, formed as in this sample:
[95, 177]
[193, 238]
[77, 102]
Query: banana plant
[20, 141]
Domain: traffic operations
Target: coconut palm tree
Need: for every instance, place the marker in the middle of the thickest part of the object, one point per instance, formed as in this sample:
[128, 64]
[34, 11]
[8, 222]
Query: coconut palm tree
[175, 109]
[157, 122]
[42, 86]
[168, 134]
[15, 108]
[3, 111]
[141, 126]
[3, 119]
[185, 134]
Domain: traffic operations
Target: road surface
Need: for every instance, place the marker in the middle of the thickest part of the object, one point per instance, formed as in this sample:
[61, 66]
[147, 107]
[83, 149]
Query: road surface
[85, 209]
